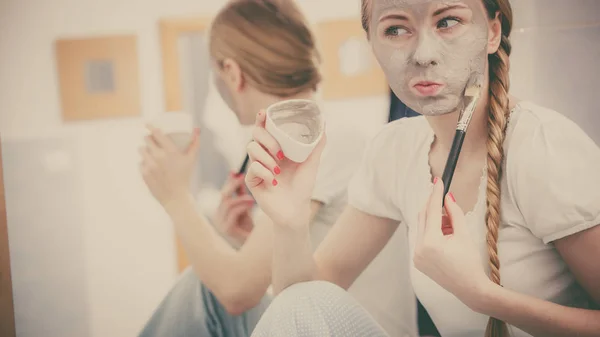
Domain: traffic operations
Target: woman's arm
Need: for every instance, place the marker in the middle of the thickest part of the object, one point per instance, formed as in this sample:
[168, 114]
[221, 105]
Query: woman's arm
[283, 188]
[238, 278]
[536, 316]
[349, 247]
[581, 252]
[453, 262]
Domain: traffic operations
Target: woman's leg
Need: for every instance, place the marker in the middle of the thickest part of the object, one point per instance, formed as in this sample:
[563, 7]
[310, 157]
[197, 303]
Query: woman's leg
[316, 309]
[191, 310]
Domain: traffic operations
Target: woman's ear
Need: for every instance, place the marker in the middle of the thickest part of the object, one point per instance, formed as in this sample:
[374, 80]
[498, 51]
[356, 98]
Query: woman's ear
[232, 73]
[494, 34]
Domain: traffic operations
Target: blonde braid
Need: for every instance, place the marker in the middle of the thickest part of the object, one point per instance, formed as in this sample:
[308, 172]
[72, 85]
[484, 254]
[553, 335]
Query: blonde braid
[497, 121]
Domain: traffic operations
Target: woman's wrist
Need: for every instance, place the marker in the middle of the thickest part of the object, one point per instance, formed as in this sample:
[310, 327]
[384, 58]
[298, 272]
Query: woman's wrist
[483, 296]
[178, 202]
[297, 220]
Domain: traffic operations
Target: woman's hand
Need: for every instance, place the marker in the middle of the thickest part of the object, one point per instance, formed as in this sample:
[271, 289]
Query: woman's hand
[233, 217]
[166, 169]
[282, 188]
[449, 257]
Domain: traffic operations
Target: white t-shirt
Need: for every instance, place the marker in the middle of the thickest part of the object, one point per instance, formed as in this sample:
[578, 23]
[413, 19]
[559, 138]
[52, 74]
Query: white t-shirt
[383, 289]
[549, 191]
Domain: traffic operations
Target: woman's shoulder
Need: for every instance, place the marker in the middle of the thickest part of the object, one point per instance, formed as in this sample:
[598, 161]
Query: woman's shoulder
[541, 139]
[527, 115]
[532, 124]
[551, 171]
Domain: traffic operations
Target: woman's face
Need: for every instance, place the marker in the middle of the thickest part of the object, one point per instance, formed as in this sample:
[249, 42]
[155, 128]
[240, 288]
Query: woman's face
[227, 79]
[430, 50]
[222, 87]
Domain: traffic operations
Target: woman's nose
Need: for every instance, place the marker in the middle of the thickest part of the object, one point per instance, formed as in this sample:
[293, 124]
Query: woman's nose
[427, 50]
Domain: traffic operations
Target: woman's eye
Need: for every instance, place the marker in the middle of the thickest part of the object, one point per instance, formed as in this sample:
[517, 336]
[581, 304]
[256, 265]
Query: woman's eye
[394, 31]
[447, 23]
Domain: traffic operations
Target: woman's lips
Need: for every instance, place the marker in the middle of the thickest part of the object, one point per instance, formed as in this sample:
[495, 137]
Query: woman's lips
[426, 88]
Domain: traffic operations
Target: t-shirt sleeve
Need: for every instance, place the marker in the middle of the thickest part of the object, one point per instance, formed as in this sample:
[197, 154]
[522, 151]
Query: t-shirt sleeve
[373, 186]
[339, 161]
[556, 180]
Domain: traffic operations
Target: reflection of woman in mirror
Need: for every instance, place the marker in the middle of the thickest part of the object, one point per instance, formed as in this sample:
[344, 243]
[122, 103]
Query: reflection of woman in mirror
[516, 253]
[261, 52]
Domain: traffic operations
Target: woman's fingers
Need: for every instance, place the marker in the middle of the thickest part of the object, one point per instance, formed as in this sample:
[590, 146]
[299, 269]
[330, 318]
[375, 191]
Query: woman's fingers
[257, 174]
[147, 158]
[264, 138]
[236, 211]
[161, 139]
[232, 202]
[153, 148]
[456, 216]
[261, 118]
[147, 172]
[258, 154]
[231, 186]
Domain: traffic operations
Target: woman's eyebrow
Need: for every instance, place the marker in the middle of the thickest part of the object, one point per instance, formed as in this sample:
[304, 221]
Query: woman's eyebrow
[394, 16]
[447, 8]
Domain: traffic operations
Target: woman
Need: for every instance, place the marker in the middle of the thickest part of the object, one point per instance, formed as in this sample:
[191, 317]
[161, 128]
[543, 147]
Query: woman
[527, 175]
[224, 292]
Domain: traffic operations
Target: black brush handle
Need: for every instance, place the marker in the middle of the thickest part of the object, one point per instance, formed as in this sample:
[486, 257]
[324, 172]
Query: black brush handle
[244, 165]
[457, 143]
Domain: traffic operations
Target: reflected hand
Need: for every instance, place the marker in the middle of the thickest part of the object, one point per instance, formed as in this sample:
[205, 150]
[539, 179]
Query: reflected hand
[233, 217]
[165, 168]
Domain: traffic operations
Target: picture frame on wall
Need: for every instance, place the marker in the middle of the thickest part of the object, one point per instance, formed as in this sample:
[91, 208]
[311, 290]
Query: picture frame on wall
[349, 68]
[98, 77]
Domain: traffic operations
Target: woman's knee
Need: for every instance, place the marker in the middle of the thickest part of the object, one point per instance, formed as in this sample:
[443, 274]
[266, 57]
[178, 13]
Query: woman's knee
[314, 289]
[315, 309]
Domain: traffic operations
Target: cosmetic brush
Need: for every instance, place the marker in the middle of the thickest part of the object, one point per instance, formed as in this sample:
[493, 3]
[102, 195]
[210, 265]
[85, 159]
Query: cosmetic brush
[471, 97]
[242, 169]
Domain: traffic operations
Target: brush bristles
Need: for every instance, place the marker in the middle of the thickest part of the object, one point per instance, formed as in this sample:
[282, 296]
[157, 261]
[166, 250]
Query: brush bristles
[472, 91]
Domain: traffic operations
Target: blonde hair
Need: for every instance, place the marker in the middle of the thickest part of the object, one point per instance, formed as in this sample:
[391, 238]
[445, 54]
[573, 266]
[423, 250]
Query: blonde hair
[271, 42]
[497, 120]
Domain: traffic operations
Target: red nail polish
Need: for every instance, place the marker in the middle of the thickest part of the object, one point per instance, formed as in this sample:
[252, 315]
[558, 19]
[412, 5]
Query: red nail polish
[435, 180]
[277, 170]
[280, 155]
[451, 197]
[447, 230]
[275, 182]
[446, 222]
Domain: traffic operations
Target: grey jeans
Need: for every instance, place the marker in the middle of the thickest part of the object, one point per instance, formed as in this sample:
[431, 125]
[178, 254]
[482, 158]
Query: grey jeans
[191, 310]
[309, 309]
[316, 309]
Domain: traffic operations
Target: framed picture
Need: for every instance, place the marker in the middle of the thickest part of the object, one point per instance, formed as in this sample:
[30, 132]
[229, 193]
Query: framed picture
[171, 33]
[98, 77]
[349, 68]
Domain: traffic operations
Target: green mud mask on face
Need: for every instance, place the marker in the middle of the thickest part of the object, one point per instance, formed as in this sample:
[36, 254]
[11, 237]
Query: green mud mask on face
[429, 58]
